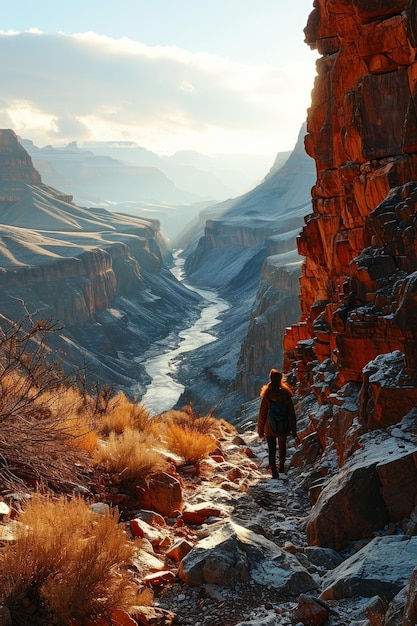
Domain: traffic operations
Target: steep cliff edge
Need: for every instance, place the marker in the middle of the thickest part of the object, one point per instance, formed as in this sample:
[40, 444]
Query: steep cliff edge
[352, 354]
[100, 274]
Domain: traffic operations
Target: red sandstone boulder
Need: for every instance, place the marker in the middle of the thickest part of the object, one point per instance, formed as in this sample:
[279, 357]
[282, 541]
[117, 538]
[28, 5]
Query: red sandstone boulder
[310, 611]
[163, 494]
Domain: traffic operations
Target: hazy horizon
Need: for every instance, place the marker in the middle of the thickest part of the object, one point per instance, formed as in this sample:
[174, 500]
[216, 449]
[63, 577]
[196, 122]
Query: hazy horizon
[228, 78]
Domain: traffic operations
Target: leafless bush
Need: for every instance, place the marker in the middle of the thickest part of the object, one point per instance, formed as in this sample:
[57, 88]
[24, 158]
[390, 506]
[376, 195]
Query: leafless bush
[35, 437]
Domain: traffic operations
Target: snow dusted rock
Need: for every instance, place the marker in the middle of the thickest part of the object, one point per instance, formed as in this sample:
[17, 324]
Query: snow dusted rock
[267, 620]
[325, 558]
[383, 399]
[381, 568]
[378, 484]
[235, 554]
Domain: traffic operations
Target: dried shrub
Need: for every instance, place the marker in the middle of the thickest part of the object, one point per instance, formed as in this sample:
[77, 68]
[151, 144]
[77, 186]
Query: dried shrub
[132, 454]
[68, 405]
[35, 447]
[123, 414]
[69, 559]
[188, 443]
[186, 417]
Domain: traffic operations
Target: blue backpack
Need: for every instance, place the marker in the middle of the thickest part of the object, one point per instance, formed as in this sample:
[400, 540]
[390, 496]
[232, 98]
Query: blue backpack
[278, 418]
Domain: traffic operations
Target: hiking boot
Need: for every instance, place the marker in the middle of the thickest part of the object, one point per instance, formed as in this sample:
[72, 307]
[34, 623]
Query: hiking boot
[275, 472]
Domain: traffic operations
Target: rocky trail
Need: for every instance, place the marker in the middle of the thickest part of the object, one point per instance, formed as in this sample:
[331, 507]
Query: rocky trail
[253, 566]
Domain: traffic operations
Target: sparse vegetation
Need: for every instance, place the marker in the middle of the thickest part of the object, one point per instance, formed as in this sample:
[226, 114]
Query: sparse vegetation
[68, 559]
[122, 414]
[188, 443]
[132, 455]
[58, 438]
[40, 412]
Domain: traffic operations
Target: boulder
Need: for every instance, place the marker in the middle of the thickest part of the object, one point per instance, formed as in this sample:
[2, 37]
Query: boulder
[152, 616]
[310, 611]
[163, 494]
[376, 485]
[323, 557]
[381, 568]
[234, 554]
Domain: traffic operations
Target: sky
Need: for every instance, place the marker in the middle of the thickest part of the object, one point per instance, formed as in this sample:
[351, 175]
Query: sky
[218, 76]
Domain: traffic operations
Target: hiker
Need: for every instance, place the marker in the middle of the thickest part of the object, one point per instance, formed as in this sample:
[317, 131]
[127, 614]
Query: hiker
[277, 391]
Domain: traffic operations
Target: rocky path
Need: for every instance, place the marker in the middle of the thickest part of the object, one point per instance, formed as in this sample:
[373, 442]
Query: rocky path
[271, 508]
[248, 561]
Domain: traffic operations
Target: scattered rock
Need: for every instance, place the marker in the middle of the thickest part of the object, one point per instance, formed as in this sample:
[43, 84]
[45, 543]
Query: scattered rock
[179, 550]
[311, 611]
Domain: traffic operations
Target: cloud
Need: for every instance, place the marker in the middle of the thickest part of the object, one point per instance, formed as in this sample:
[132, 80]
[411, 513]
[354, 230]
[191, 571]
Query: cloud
[86, 86]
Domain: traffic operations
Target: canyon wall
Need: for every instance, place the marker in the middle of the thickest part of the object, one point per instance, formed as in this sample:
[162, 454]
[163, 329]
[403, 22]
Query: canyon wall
[248, 253]
[100, 275]
[358, 283]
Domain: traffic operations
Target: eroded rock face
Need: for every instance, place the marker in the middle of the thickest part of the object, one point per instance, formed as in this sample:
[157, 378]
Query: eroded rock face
[101, 275]
[375, 486]
[15, 163]
[382, 568]
[359, 281]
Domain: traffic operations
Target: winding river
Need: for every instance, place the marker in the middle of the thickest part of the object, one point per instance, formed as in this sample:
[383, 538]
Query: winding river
[164, 357]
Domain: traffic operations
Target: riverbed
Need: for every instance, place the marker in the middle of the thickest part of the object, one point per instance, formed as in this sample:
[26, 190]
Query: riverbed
[163, 359]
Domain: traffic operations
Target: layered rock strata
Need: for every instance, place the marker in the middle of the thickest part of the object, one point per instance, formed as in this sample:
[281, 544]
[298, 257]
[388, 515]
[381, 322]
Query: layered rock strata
[356, 337]
[101, 275]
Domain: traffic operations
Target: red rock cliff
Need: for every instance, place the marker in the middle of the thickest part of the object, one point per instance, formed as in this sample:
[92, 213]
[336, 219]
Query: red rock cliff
[358, 284]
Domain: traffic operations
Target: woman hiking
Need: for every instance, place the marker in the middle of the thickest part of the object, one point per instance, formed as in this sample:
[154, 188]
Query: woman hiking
[276, 396]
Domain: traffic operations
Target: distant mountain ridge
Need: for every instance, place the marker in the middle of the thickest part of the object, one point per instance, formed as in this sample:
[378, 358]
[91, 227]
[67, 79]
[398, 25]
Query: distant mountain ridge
[124, 177]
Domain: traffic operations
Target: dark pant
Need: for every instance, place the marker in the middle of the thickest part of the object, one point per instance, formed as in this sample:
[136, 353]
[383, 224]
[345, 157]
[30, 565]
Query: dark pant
[272, 450]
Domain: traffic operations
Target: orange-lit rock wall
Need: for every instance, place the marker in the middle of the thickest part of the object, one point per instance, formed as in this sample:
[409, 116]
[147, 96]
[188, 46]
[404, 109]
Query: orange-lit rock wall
[357, 291]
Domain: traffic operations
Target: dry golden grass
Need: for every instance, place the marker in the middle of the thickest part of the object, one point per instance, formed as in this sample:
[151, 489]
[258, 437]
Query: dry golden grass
[185, 417]
[188, 443]
[132, 454]
[72, 560]
[123, 414]
[81, 433]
